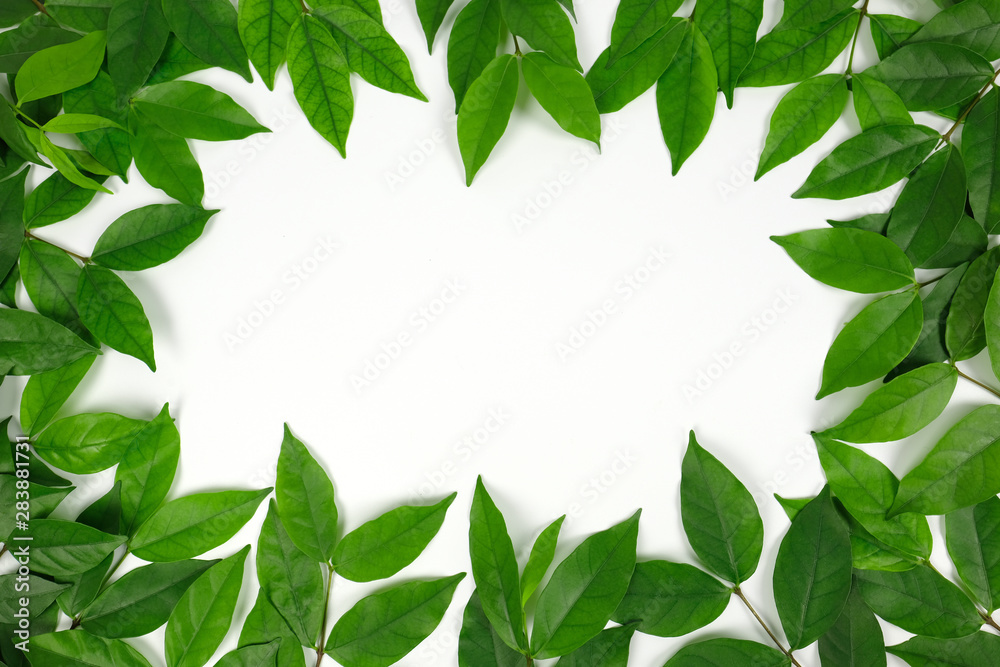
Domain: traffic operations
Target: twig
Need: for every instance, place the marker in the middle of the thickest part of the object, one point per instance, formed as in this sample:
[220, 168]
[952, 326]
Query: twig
[760, 620]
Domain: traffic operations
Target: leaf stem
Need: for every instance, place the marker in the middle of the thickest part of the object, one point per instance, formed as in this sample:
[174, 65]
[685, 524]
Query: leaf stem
[854, 43]
[931, 281]
[989, 621]
[41, 7]
[976, 382]
[326, 610]
[29, 235]
[517, 46]
[961, 119]
[739, 594]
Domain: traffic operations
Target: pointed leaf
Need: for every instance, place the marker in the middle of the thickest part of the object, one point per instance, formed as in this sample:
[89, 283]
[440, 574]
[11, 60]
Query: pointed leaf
[196, 111]
[543, 551]
[50, 277]
[976, 650]
[889, 32]
[166, 162]
[635, 22]
[77, 648]
[723, 651]
[543, 24]
[305, 498]
[564, 94]
[981, 143]
[137, 33]
[208, 29]
[64, 548]
[472, 45]
[931, 75]
[965, 333]
[973, 537]
[263, 26]
[110, 310]
[876, 104]
[59, 68]
[88, 443]
[485, 112]
[930, 346]
[855, 640]
[974, 24]
[609, 648]
[110, 146]
[147, 470]
[478, 643]
[45, 393]
[431, 14]
[55, 199]
[671, 599]
[30, 343]
[920, 601]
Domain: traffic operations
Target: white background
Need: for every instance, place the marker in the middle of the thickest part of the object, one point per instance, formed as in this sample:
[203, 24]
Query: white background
[620, 397]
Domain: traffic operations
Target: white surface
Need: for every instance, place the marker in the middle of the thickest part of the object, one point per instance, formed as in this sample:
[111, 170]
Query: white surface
[567, 421]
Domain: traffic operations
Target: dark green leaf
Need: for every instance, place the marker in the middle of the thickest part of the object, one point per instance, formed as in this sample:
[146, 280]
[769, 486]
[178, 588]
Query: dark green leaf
[15, 134]
[208, 29]
[36, 33]
[920, 601]
[264, 624]
[930, 346]
[105, 513]
[671, 599]
[889, 32]
[12, 591]
[973, 538]
[196, 111]
[11, 220]
[13, 12]
[965, 334]
[45, 393]
[564, 94]
[485, 112]
[39, 500]
[931, 76]
[794, 54]
[147, 469]
[175, 61]
[166, 162]
[478, 643]
[855, 640]
[976, 650]
[30, 343]
[110, 147]
[544, 26]
[472, 45]
[87, 443]
[609, 648]
[82, 15]
[150, 236]
[64, 548]
[540, 559]
[968, 240]
[84, 587]
[263, 26]
[804, 13]
[723, 652]
[974, 24]
[259, 655]
[137, 33]
[110, 310]
[981, 143]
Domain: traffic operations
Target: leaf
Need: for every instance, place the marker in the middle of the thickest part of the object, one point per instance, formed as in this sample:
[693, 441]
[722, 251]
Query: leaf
[60, 159]
[920, 601]
[633, 74]
[855, 639]
[369, 7]
[305, 498]
[966, 242]
[494, 568]
[50, 278]
[901, 407]
[11, 225]
[54, 200]
[260, 655]
[685, 97]
[609, 648]
[263, 26]
[584, 590]
[794, 54]
[431, 14]
[196, 111]
[930, 347]
[208, 28]
[973, 538]
[105, 513]
[981, 143]
[191, 525]
[371, 51]
[485, 112]
[720, 517]
[472, 45]
[543, 551]
[321, 79]
[14, 12]
[873, 343]
[974, 24]
[976, 650]
[137, 33]
[869, 162]
[671, 599]
[72, 123]
[723, 651]
[264, 624]
[150, 236]
[382, 628]
[291, 580]
[635, 22]
[12, 586]
[142, 599]
[175, 62]
[202, 617]
[39, 501]
[64, 548]
[544, 26]
[87, 443]
[889, 32]
[384, 546]
[111, 147]
[849, 259]
[564, 94]
[802, 117]
[478, 643]
[82, 15]
[804, 13]
[45, 393]
[165, 161]
[875, 103]
[110, 310]
[730, 26]
[59, 68]
[30, 344]
[147, 469]
[965, 333]
[931, 75]
[14, 133]
[77, 648]
[962, 469]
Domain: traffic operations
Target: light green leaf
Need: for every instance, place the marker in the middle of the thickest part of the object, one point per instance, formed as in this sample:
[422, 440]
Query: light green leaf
[671, 599]
[723, 651]
[147, 470]
[875, 103]
[976, 650]
[485, 112]
[64, 548]
[543, 551]
[30, 344]
[609, 648]
[369, 7]
[61, 160]
[793, 54]
[635, 22]
[872, 222]
[137, 33]
[263, 27]
[981, 143]
[544, 25]
[59, 68]
[478, 643]
[855, 640]
[87, 443]
[974, 24]
[150, 236]
[730, 26]
[78, 648]
[305, 498]
[564, 94]
[45, 393]
[54, 200]
[931, 75]
[920, 601]
[208, 29]
[110, 310]
[73, 123]
[973, 538]
[965, 334]
[472, 45]
[196, 111]
[165, 161]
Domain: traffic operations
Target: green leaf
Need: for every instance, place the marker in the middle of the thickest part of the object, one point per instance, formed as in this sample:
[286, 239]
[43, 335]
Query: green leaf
[73, 123]
[12, 588]
[485, 112]
[635, 22]
[50, 278]
[609, 648]
[869, 162]
[494, 568]
[137, 33]
[305, 498]
[14, 12]
[371, 51]
[633, 74]
[730, 26]
[202, 617]
[208, 28]
[901, 407]
[962, 469]
[264, 624]
[82, 15]
[431, 14]
[804, 13]
[671, 599]
[78, 648]
[41, 502]
[61, 160]
[175, 62]
[196, 111]
[111, 147]
[150, 236]
[59, 68]
[873, 343]
[11, 216]
[544, 26]
[290, 579]
[147, 469]
[105, 513]
[384, 546]
[855, 639]
[967, 241]
[472, 45]
[260, 655]
[263, 27]
[321, 79]
[14, 133]
[976, 650]
[685, 97]
[87, 443]
[965, 334]
[930, 346]
[110, 310]
[64, 548]
[812, 572]
[889, 32]
[794, 54]
[543, 551]
[931, 75]
[981, 143]
[142, 599]
[382, 628]
[45, 393]
[30, 343]
[191, 525]
[722, 652]
[564, 94]
[974, 24]
[720, 517]
[920, 601]
[849, 259]
[802, 117]
[584, 590]
[34, 34]
[867, 489]
[54, 200]
[875, 103]
[369, 7]
[478, 643]
[973, 538]
[166, 162]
